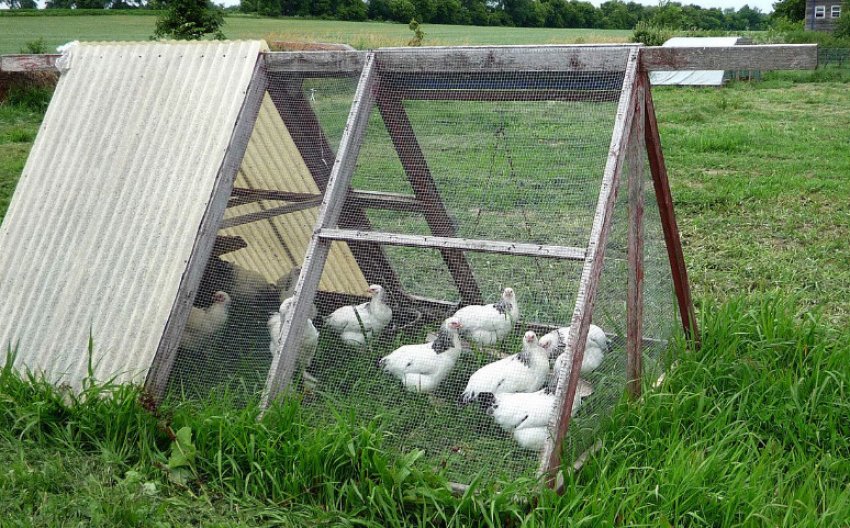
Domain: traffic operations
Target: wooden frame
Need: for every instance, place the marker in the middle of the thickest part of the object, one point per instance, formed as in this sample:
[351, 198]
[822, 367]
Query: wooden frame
[635, 130]
[283, 365]
[550, 461]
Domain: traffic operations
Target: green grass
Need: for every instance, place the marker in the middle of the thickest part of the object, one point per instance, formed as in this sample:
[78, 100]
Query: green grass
[751, 430]
[16, 31]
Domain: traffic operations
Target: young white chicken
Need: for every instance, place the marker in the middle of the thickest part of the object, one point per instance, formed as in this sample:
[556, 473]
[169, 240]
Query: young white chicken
[204, 323]
[286, 286]
[523, 372]
[309, 340]
[490, 323]
[422, 367]
[527, 415]
[555, 344]
[375, 315]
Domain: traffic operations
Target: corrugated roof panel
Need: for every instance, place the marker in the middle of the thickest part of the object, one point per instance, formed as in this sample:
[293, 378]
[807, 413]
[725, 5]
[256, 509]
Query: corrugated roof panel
[108, 206]
[276, 245]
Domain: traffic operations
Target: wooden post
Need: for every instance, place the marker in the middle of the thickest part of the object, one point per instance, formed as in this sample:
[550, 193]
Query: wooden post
[416, 167]
[634, 299]
[318, 155]
[668, 219]
[565, 394]
[292, 326]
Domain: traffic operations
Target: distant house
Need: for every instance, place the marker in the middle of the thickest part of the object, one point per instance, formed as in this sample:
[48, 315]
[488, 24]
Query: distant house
[821, 15]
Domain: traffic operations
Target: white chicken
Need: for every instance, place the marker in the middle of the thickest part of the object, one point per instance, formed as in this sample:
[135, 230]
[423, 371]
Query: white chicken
[490, 323]
[523, 372]
[422, 367]
[286, 285]
[309, 340]
[555, 344]
[374, 316]
[204, 323]
[527, 415]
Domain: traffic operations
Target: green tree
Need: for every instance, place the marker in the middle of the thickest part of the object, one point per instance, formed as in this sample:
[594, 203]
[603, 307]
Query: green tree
[842, 29]
[793, 10]
[189, 20]
[351, 10]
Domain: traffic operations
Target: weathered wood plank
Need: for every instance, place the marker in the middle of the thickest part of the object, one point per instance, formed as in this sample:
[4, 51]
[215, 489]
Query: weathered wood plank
[160, 371]
[668, 221]
[28, 63]
[634, 298]
[292, 327]
[416, 168]
[550, 461]
[316, 63]
[511, 95]
[316, 151]
[760, 57]
[504, 58]
[465, 244]
[385, 201]
[250, 218]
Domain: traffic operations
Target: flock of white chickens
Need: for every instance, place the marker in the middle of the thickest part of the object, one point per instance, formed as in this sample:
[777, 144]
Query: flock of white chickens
[517, 391]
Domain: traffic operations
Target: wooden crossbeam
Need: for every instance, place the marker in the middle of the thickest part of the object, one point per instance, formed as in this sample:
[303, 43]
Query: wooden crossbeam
[464, 244]
[757, 57]
[416, 168]
[504, 58]
[307, 64]
[596, 96]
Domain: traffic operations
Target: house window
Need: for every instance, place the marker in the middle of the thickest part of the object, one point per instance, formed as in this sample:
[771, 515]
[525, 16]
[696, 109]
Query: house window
[820, 11]
[835, 12]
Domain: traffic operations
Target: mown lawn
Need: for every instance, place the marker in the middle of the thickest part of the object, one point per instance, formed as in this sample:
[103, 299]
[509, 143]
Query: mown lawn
[751, 430]
[16, 31]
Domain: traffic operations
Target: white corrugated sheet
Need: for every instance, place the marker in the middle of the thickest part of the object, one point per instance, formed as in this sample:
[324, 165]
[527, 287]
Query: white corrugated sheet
[697, 77]
[108, 206]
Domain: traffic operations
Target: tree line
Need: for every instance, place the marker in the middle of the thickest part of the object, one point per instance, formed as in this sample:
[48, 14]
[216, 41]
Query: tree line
[613, 14]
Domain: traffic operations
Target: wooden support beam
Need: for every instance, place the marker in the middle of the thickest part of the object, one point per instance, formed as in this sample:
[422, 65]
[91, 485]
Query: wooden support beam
[292, 326]
[416, 167]
[305, 64]
[318, 155]
[634, 299]
[386, 201]
[257, 195]
[565, 393]
[760, 57]
[250, 218]
[668, 220]
[596, 96]
[465, 244]
[28, 63]
[499, 59]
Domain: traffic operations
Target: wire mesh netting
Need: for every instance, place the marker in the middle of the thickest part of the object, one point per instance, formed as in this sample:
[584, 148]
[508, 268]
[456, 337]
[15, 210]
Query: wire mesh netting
[262, 240]
[454, 350]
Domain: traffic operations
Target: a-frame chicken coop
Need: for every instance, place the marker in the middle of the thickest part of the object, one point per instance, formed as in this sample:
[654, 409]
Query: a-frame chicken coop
[479, 193]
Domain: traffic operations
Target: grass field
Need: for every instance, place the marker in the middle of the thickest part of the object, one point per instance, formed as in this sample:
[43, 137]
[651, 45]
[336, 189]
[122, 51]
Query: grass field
[752, 430]
[16, 31]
